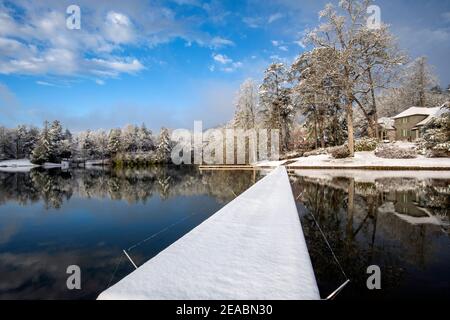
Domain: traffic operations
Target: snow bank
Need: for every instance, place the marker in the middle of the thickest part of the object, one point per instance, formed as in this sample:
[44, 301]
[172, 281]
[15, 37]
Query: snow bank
[17, 163]
[253, 248]
[369, 160]
[371, 175]
[268, 163]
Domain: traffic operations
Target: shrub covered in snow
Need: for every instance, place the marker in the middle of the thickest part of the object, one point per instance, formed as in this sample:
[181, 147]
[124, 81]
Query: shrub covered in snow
[436, 139]
[395, 152]
[366, 144]
[340, 152]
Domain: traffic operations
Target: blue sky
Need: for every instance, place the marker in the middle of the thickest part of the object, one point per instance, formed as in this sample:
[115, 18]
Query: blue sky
[168, 62]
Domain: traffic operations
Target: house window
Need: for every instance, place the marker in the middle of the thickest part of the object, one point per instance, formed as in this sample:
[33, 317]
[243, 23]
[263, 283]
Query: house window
[404, 133]
[405, 120]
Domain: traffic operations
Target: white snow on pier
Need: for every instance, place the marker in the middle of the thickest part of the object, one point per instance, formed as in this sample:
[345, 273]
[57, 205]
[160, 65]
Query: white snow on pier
[253, 248]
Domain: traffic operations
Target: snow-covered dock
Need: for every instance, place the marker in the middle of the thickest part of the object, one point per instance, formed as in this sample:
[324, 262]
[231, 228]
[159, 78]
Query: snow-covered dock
[253, 248]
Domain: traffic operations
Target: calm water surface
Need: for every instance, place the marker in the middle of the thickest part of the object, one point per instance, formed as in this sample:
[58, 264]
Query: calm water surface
[394, 220]
[52, 219]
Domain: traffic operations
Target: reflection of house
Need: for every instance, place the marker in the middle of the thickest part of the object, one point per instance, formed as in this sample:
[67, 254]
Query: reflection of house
[407, 125]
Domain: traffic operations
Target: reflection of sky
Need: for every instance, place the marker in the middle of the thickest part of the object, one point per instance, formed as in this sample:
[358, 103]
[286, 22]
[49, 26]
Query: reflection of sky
[91, 233]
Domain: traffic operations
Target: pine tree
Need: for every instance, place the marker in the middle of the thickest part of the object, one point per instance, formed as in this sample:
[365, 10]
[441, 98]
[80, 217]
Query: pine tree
[55, 134]
[164, 147]
[145, 141]
[275, 101]
[87, 145]
[6, 151]
[114, 144]
[43, 151]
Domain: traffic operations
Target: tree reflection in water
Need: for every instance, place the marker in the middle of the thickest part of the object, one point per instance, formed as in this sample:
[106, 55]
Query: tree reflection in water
[399, 224]
[53, 187]
[52, 219]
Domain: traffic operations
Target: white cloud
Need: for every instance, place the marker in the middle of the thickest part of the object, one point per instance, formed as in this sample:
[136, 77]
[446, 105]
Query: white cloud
[118, 28]
[228, 65]
[45, 83]
[99, 82]
[34, 39]
[218, 42]
[113, 67]
[274, 17]
[252, 22]
[221, 58]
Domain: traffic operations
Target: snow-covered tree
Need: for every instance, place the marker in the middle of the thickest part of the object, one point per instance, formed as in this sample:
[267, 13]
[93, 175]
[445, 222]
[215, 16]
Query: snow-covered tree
[246, 106]
[275, 102]
[343, 33]
[417, 87]
[379, 60]
[6, 150]
[437, 134]
[317, 94]
[56, 136]
[100, 140]
[87, 145]
[164, 147]
[130, 138]
[114, 143]
[43, 151]
[145, 141]
[418, 80]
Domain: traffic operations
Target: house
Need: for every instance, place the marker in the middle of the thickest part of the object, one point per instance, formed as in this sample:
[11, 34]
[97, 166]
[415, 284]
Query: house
[408, 125]
[386, 129]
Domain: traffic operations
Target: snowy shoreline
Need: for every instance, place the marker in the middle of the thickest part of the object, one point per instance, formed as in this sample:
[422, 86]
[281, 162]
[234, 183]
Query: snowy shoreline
[362, 161]
[25, 165]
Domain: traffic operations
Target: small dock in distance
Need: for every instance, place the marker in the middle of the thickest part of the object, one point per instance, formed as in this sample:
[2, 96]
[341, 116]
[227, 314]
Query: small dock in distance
[251, 249]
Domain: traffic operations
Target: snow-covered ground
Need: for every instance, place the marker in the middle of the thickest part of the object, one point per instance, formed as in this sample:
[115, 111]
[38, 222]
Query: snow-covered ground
[253, 248]
[268, 163]
[372, 175]
[368, 160]
[16, 163]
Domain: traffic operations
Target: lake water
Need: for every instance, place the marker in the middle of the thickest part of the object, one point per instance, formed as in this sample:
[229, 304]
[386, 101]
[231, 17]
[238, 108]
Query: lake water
[52, 219]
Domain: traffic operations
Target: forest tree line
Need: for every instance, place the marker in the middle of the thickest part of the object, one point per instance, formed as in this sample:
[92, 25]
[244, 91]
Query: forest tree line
[52, 144]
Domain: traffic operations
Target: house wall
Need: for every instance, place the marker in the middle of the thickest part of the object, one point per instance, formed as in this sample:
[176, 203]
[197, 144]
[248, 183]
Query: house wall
[404, 127]
[386, 134]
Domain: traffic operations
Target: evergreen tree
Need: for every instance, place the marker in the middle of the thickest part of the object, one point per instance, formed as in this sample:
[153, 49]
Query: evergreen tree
[43, 150]
[55, 134]
[164, 147]
[114, 145]
[275, 100]
[145, 141]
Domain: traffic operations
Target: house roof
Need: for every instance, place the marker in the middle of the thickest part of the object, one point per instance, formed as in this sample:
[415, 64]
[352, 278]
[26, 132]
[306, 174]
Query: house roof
[417, 111]
[440, 111]
[386, 123]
